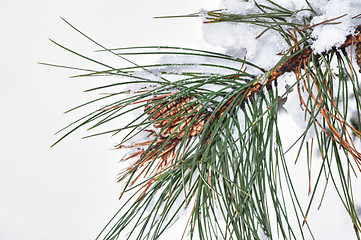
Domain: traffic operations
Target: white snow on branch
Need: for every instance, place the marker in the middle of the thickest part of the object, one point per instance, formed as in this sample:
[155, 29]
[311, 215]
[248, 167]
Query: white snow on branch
[240, 39]
[334, 33]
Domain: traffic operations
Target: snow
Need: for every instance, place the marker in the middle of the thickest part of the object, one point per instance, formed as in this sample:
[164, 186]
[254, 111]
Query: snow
[243, 7]
[327, 36]
[240, 39]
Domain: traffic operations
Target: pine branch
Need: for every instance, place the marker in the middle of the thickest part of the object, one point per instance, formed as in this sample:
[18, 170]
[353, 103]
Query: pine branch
[218, 149]
[169, 116]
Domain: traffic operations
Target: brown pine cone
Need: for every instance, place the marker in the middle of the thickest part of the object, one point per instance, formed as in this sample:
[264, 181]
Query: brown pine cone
[174, 117]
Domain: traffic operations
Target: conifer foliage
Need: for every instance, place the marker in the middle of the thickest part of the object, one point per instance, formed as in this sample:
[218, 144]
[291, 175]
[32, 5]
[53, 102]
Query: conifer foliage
[211, 141]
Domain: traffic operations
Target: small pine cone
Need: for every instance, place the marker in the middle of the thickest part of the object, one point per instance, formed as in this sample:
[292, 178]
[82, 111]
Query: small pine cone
[165, 117]
[358, 55]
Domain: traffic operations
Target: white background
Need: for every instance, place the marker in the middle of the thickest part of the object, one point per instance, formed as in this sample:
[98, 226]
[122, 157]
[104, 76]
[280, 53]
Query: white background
[70, 191]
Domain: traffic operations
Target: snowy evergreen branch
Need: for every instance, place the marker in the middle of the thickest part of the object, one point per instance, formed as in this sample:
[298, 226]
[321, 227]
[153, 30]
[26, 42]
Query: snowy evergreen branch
[205, 133]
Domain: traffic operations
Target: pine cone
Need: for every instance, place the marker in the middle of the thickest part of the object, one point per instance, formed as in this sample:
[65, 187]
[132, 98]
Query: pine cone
[174, 117]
